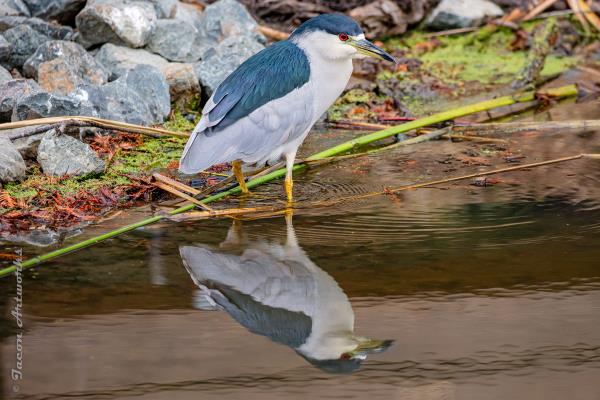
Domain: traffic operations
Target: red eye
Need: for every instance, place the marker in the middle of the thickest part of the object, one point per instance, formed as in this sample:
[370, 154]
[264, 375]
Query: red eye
[343, 37]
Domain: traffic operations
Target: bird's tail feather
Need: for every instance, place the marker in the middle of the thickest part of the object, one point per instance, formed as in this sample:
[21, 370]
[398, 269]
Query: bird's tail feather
[202, 151]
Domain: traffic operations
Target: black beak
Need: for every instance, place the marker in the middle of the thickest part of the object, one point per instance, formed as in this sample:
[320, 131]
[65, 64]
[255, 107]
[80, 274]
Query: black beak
[367, 48]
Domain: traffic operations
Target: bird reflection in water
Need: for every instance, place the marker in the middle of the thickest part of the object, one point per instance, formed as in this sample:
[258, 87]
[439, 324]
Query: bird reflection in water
[277, 291]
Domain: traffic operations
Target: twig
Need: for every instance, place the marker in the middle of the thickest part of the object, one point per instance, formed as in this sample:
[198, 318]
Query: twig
[516, 127]
[360, 125]
[176, 184]
[575, 6]
[589, 14]
[95, 122]
[273, 34]
[475, 138]
[178, 193]
[538, 9]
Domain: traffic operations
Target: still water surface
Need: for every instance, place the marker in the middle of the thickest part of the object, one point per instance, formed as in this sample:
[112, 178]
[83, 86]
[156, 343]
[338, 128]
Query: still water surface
[453, 292]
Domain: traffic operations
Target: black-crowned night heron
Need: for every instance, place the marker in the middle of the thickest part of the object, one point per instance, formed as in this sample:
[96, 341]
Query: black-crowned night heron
[278, 292]
[263, 111]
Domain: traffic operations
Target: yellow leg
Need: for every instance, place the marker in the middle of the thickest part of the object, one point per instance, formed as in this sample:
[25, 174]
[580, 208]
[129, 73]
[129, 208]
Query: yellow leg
[289, 184]
[239, 175]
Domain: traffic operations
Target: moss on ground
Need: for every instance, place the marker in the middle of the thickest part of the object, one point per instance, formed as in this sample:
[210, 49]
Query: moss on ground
[461, 58]
[179, 123]
[153, 154]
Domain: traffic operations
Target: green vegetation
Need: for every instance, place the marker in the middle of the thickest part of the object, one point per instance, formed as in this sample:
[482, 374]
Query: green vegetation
[460, 58]
[179, 123]
[153, 154]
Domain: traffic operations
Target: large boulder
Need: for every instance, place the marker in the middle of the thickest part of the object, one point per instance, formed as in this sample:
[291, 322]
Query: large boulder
[27, 145]
[224, 19]
[63, 11]
[12, 165]
[450, 14]
[164, 8]
[139, 96]
[221, 61]
[166, 40]
[119, 59]
[183, 82]
[5, 48]
[51, 30]
[24, 41]
[61, 66]
[11, 92]
[181, 78]
[60, 155]
[116, 21]
[43, 104]
[5, 75]
[188, 13]
[13, 7]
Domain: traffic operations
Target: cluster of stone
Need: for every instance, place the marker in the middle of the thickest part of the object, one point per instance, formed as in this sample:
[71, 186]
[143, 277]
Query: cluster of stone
[125, 60]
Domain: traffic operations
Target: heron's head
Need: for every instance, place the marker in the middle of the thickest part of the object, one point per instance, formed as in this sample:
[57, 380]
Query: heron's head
[336, 36]
[344, 354]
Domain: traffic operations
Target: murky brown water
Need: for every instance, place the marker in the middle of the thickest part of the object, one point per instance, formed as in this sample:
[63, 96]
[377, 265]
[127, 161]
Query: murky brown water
[487, 292]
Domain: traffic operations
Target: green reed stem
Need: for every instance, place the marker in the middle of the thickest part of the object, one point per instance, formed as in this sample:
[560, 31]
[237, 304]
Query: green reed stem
[561, 92]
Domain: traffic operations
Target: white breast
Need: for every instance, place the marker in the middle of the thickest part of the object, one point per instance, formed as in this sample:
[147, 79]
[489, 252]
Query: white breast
[329, 76]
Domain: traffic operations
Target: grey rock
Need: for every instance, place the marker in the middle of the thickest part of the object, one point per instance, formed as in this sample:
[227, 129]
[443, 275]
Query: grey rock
[13, 7]
[164, 8]
[176, 40]
[119, 59]
[139, 96]
[183, 82]
[43, 104]
[63, 11]
[24, 41]
[61, 155]
[60, 66]
[224, 19]
[35, 237]
[221, 61]
[11, 92]
[188, 13]
[180, 77]
[28, 145]
[116, 21]
[12, 165]
[450, 14]
[52, 30]
[5, 75]
[5, 49]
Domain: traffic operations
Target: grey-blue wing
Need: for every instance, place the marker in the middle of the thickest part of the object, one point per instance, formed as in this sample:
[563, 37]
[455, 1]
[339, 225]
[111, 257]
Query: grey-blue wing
[278, 74]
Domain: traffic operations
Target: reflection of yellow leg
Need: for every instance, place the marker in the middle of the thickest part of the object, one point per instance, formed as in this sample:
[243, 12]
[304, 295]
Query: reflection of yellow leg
[289, 184]
[289, 214]
[239, 175]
